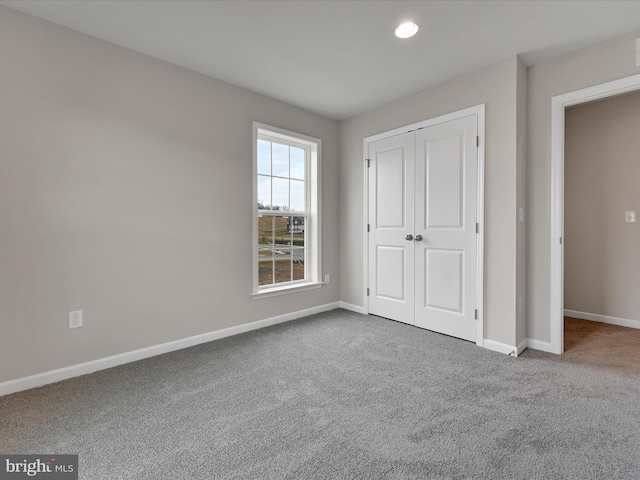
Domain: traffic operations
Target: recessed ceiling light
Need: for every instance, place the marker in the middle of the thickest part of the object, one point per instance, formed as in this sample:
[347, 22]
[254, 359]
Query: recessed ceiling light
[406, 30]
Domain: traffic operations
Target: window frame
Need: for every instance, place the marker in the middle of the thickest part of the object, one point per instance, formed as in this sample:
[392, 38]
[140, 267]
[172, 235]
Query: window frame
[313, 200]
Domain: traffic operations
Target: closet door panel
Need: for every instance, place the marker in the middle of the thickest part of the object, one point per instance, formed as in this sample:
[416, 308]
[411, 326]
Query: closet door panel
[391, 217]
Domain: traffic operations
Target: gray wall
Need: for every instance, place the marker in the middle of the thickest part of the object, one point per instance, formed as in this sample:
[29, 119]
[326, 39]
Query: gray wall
[126, 192]
[496, 86]
[602, 169]
[598, 64]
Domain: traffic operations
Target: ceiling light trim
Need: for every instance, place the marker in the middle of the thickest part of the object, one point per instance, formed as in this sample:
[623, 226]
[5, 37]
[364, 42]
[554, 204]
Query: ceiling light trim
[406, 30]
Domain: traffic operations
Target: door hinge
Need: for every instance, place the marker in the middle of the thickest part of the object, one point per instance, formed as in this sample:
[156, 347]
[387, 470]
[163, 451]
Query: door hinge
[367, 292]
[368, 227]
[476, 314]
[560, 240]
[368, 160]
[477, 228]
[477, 140]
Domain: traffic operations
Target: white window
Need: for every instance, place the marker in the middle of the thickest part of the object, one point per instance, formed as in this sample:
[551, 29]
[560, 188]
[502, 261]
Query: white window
[286, 240]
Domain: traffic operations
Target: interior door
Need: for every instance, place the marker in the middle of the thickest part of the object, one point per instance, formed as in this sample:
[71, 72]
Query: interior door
[391, 216]
[422, 251]
[445, 223]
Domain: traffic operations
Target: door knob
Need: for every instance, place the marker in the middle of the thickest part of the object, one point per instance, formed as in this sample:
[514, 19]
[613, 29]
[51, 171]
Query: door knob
[409, 237]
[418, 238]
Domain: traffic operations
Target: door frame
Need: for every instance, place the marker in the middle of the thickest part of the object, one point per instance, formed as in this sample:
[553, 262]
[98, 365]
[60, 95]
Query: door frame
[558, 105]
[478, 110]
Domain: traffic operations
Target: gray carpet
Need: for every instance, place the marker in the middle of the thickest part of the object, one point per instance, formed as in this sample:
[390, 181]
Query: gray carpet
[336, 395]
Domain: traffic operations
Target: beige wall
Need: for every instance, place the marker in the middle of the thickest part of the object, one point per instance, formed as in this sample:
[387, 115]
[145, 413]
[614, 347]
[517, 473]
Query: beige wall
[602, 168]
[496, 86]
[598, 64]
[126, 192]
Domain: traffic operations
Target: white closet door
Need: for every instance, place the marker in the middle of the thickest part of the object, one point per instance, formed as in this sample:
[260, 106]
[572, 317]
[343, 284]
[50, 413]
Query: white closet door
[391, 217]
[445, 227]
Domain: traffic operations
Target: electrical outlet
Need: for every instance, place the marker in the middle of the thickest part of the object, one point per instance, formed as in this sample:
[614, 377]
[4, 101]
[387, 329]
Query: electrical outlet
[75, 319]
[630, 216]
[327, 279]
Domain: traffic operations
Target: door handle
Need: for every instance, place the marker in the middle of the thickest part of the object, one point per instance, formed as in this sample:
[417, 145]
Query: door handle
[418, 238]
[409, 237]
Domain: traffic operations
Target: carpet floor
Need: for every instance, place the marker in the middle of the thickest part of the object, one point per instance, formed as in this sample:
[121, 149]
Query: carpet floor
[337, 396]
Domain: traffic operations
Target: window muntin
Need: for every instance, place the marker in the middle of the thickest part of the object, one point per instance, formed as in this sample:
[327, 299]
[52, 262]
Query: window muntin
[287, 240]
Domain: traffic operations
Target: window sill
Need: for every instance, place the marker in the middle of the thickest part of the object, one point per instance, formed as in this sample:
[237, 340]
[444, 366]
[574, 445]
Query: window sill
[276, 291]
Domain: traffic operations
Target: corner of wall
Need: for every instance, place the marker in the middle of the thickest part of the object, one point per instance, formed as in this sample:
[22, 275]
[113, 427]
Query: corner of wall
[521, 152]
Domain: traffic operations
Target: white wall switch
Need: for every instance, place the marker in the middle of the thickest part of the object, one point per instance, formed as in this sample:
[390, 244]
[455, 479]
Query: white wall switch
[630, 217]
[75, 319]
[637, 52]
[521, 214]
[327, 279]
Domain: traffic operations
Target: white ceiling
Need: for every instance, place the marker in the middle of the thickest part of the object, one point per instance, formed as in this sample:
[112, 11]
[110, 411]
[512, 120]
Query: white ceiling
[340, 58]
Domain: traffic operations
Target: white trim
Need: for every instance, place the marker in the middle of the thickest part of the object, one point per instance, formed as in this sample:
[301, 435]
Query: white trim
[556, 283]
[313, 210]
[351, 307]
[365, 250]
[595, 317]
[60, 374]
[480, 219]
[539, 345]
[558, 105]
[467, 112]
[522, 346]
[479, 111]
[500, 347]
[288, 288]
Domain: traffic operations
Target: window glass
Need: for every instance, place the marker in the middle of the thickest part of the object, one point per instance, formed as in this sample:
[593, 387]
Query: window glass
[280, 160]
[297, 163]
[297, 196]
[264, 157]
[264, 192]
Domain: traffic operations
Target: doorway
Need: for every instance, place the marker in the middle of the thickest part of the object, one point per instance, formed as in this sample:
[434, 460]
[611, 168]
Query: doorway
[424, 217]
[559, 104]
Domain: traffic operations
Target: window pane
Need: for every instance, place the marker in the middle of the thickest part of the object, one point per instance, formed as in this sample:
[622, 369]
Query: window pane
[264, 157]
[297, 196]
[298, 253]
[297, 163]
[298, 267]
[265, 272]
[265, 235]
[282, 250]
[280, 194]
[280, 160]
[265, 249]
[282, 270]
[264, 192]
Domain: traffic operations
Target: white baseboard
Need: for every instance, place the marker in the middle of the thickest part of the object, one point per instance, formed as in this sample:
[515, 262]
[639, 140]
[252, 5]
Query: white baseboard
[522, 346]
[501, 347]
[622, 322]
[351, 307]
[539, 345]
[53, 376]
